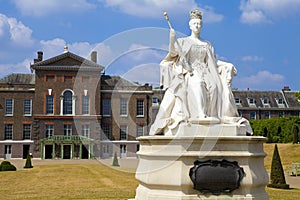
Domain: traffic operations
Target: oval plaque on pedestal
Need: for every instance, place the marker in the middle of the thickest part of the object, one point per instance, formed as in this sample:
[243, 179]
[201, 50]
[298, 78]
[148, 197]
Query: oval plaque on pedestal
[216, 176]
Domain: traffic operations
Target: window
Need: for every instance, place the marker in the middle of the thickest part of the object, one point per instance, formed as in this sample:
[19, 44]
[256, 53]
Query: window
[140, 108]
[267, 115]
[27, 106]
[106, 132]
[123, 107]
[237, 100]
[106, 107]
[9, 106]
[49, 105]
[49, 130]
[26, 131]
[155, 100]
[265, 101]
[240, 113]
[139, 131]
[251, 101]
[280, 101]
[281, 114]
[7, 149]
[85, 105]
[67, 103]
[123, 132]
[8, 132]
[67, 129]
[85, 130]
[253, 115]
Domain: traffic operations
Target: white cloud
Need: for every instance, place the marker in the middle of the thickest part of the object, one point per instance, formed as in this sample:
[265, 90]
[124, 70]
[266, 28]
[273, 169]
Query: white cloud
[21, 67]
[263, 79]
[138, 52]
[145, 73]
[155, 8]
[265, 11]
[16, 31]
[46, 7]
[252, 58]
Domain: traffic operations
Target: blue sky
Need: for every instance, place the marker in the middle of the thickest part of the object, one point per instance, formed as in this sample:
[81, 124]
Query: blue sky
[260, 37]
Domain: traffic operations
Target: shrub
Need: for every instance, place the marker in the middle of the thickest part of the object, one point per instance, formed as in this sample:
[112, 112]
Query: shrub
[115, 161]
[277, 174]
[7, 166]
[28, 162]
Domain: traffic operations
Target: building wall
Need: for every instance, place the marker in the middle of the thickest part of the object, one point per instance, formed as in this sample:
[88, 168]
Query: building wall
[17, 120]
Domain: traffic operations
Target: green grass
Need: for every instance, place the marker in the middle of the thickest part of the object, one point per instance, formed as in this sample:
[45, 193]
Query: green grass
[67, 182]
[97, 181]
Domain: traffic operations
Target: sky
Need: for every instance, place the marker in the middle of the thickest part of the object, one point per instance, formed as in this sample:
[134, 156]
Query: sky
[260, 37]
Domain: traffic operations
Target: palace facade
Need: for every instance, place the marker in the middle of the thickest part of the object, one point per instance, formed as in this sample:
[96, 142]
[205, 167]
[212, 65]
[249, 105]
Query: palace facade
[68, 109]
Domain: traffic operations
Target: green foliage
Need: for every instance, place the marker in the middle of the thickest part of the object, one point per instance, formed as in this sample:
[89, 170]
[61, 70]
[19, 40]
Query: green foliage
[7, 166]
[115, 161]
[28, 162]
[277, 130]
[277, 174]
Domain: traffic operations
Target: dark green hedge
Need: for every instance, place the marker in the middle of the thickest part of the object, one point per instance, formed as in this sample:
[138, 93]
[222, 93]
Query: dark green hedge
[278, 130]
[7, 166]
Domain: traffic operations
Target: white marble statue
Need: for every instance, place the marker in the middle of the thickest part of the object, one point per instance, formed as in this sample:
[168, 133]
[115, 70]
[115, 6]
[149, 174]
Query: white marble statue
[196, 84]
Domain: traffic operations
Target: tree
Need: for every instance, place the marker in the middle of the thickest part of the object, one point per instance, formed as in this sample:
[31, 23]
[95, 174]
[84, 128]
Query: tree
[28, 162]
[277, 174]
[295, 131]
[115, 161]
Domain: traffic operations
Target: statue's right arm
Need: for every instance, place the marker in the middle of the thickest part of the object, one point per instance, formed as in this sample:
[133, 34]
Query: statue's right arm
[172, 50]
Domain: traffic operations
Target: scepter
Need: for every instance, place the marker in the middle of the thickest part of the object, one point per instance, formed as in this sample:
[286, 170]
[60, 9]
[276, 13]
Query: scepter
[186, 65]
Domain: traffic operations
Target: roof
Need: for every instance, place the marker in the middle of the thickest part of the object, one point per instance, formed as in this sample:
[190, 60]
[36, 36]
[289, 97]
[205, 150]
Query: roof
[271, 98]
[14, 79]
[66, 59]
[107, 80]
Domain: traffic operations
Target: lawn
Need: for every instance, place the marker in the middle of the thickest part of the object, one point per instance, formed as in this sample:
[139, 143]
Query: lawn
[97, 181]
[68, 182]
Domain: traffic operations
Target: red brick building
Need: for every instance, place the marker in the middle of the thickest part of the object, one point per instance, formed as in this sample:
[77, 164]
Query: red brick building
[67, 109]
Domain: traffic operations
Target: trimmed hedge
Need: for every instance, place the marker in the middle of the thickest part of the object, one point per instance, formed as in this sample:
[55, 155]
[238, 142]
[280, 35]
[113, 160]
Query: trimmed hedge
[7, 166]
[277, 173]
[278, 130]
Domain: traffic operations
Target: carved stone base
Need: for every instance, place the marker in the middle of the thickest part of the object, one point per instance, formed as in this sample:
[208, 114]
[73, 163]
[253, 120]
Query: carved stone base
[165, 162]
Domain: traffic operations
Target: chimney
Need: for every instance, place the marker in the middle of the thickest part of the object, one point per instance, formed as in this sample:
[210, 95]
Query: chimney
[39, 58]
[94, 56]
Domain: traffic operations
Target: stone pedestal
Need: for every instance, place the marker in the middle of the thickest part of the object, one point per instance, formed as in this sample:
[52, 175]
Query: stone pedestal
[165, 162]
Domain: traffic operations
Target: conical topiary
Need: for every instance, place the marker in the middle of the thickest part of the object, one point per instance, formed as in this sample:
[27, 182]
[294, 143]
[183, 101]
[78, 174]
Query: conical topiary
[115, 161]
[277, 174]
[28, 162]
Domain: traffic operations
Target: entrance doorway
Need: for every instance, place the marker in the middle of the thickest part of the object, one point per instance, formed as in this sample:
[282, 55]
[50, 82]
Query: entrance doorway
[48, 151]
[26, 148]
[85, 152]
[67, 152]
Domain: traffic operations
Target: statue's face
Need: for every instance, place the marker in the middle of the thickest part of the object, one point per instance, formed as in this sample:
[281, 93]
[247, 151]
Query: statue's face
[195, 25]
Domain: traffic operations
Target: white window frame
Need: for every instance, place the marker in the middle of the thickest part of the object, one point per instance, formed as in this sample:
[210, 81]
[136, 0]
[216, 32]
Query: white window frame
[27, 107]
[106, 131]
[251, 112]
[85, 130]
[8, 131]
[139, 108]
[26, 131]
[140, 131]
[123, 129]
[48, 105]
[123, 107]
[85, 105]
[9, 109]
[67, 129]
[106, 107]
[49, 130]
